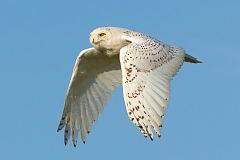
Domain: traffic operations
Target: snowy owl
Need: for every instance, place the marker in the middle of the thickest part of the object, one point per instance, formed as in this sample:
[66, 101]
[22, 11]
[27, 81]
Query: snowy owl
[142, 64]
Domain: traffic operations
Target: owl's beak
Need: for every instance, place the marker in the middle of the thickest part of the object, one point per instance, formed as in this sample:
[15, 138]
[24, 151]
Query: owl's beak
[93, 40]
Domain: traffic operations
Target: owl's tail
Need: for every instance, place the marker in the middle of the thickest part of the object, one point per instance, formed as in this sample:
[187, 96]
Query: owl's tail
[191, 59]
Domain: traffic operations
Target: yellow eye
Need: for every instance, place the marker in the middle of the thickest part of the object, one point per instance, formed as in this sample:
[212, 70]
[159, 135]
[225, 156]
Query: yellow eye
[102, 34]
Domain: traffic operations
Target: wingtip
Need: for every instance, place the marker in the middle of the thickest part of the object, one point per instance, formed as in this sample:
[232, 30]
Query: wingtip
[65, 141]
[151, 138]
[60, 126]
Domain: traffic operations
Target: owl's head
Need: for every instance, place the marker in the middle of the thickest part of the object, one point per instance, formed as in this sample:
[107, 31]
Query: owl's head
[108, 39]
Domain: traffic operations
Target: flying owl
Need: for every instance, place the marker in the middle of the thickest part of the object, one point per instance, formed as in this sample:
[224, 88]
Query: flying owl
[142, 64]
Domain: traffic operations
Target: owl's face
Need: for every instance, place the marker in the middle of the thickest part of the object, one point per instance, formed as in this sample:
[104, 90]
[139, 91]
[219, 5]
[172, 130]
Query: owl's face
[100, 37]
[108, 39]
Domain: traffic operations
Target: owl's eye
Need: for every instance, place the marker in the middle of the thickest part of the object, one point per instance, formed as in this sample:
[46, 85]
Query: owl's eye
[102, 34]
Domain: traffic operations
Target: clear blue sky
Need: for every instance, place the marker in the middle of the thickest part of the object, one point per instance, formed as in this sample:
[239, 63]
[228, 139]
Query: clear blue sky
[39, 41]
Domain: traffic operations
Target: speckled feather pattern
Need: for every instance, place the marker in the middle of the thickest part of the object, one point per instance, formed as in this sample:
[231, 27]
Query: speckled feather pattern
[142, 64]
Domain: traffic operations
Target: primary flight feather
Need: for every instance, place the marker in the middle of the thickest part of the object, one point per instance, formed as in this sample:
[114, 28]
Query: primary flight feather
[142, 64]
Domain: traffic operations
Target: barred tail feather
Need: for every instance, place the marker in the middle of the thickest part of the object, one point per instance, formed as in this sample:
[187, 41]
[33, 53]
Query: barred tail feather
[191, 59]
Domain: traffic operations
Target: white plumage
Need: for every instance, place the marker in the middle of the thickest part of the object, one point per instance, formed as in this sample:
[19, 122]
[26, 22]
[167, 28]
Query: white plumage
[141, 63]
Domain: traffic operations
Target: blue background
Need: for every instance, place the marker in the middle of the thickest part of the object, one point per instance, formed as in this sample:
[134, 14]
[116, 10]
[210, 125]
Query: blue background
[39, 41]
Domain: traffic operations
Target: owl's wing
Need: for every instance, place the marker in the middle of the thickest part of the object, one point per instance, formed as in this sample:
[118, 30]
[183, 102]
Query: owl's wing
[147, 68]
[94, 77]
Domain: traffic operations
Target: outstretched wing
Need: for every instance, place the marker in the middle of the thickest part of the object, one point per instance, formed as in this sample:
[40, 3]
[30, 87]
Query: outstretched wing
[94, 77]
[147, 68]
